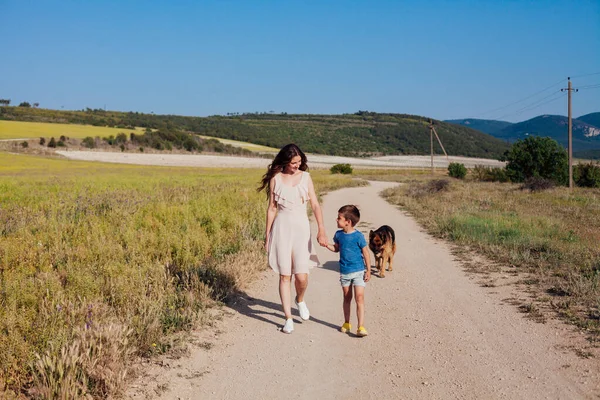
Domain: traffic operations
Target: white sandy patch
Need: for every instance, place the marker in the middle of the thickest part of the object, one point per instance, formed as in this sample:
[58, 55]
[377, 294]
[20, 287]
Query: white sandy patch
[314, 160]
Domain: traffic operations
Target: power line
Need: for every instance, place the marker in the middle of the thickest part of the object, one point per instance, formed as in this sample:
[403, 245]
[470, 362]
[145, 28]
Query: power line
[520, 101]
[535, 104]
[594, 86]
[581, 76]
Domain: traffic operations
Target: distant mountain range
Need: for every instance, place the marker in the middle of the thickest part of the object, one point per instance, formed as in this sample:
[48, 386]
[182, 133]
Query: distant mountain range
[586, 130]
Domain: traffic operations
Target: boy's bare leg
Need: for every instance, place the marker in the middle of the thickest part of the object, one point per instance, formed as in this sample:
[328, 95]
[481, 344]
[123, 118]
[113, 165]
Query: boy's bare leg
[347, 302]
[301, 283]
[285, 293]
[359, 296]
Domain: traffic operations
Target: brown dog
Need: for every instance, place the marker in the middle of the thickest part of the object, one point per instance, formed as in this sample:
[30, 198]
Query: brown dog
[382, 243]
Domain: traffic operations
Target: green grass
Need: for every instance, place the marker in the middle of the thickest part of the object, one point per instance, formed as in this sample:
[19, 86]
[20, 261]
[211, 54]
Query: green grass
[34, 130]
[123, 255]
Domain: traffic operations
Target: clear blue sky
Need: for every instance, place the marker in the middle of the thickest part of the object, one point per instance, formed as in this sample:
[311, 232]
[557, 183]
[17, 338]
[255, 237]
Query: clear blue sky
[441, 59]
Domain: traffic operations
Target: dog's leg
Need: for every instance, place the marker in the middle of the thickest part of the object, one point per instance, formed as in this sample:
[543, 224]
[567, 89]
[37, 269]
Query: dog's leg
[381, 265]
[390, 261]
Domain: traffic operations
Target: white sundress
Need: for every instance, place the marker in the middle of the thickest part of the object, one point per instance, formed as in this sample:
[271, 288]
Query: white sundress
[290, 243]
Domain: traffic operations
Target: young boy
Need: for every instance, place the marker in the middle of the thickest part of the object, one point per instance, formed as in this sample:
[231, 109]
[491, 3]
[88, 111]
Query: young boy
[354, 255]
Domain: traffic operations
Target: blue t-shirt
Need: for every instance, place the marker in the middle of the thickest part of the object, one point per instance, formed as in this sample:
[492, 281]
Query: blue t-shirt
[350, 246]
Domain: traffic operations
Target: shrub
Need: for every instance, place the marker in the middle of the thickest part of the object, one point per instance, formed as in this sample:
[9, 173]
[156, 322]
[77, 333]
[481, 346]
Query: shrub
[537, 157]
[341, 169]
[52, 142]
[121, 138]
[88, 142]
[42, 141]
[537, 183]
[489, 174]
[431, 187]
[60, 143]
[122, 146]
[24, 144]
[457, 170]
[587, 175]
[141, 149]
[63, 138]
[110, 140]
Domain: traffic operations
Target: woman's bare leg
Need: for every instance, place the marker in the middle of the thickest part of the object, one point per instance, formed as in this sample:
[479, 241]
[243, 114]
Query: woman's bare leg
[285, 293]
[301, 283]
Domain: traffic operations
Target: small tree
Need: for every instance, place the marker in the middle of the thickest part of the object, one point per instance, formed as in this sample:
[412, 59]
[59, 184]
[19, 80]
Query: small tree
[457, 170]
[42, 141]
[537, 157]
[587, 175]
[52, 142]
[36, 105]
[5, 102]
[24, 104]
[24, 144]
[88, 142]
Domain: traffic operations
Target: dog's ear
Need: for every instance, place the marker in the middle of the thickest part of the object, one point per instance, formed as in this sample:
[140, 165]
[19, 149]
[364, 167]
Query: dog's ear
[371, 234]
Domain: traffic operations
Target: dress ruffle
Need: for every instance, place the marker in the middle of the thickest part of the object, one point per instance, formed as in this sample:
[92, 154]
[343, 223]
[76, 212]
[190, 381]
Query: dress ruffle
[288, 196]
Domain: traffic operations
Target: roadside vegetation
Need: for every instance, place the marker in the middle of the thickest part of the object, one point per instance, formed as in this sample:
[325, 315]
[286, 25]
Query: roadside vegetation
[100, 263]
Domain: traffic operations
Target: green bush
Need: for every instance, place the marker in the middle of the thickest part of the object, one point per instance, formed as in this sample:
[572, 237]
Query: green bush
[457, 170]
[489, 174]
[60, 143]
[537, 156]
[537, 184]
[341, 169]
[24, 144]
[587, 175]
[52, 142]
[88, 142]
[42, 141]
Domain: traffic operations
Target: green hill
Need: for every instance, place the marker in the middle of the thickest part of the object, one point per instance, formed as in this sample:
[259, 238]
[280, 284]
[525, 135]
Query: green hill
[585, 136]
[488, 126]
[591, 119]
[360, 134]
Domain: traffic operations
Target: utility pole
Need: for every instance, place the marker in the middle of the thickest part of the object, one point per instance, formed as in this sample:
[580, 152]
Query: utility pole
[432, 131]
[569, 89]
[431, 144]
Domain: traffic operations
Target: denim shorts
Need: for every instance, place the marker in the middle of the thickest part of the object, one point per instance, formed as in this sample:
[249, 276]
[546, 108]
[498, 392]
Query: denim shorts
[353, 279]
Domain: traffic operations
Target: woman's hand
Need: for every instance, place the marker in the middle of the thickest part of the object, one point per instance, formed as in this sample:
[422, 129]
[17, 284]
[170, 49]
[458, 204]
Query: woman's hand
[267, 244]
[322, 238]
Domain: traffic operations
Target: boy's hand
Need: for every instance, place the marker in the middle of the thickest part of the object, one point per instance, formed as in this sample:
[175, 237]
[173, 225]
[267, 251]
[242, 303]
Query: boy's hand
[367, 275]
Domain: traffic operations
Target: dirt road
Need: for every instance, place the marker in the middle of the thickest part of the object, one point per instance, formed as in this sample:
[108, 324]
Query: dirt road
[435, 333]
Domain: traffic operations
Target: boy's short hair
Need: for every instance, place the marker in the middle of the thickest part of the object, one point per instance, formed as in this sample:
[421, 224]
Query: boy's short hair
[351, 213]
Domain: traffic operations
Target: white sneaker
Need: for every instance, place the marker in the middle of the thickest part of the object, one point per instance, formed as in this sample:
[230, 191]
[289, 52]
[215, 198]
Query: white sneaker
[289, 326]
[303, 310]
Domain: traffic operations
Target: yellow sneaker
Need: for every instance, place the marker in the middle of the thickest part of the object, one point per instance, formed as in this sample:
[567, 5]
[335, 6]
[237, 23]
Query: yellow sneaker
[346, 327]
[361, 332]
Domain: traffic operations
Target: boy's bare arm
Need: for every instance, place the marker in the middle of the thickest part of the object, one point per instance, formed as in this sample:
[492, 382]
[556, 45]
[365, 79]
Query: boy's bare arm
[333, 247]
[367, 257]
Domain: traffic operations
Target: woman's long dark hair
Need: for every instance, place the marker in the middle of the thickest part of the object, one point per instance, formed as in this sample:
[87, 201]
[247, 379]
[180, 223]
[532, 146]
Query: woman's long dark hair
[283, 158]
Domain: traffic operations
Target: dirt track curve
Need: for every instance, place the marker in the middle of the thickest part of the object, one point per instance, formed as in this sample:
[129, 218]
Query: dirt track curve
[435, 333]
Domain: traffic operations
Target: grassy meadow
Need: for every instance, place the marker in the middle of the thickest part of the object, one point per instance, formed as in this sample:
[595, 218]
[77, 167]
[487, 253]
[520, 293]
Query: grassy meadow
[35, 130]
[102, 262]
[551, 237]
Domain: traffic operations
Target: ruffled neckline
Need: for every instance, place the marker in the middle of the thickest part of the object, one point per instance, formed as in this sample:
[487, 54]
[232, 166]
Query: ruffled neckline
[286, 195]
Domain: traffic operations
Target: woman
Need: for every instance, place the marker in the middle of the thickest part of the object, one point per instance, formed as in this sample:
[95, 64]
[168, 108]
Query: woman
[287, 235]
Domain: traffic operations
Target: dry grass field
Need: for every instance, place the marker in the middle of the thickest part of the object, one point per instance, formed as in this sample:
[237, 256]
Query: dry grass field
[35, 130]
[103, 262]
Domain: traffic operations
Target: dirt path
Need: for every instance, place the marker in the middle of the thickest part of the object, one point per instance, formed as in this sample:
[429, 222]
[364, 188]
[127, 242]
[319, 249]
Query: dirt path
[434, 334]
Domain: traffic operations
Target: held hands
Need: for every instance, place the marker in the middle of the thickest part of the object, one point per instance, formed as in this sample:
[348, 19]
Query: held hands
[322, 239]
